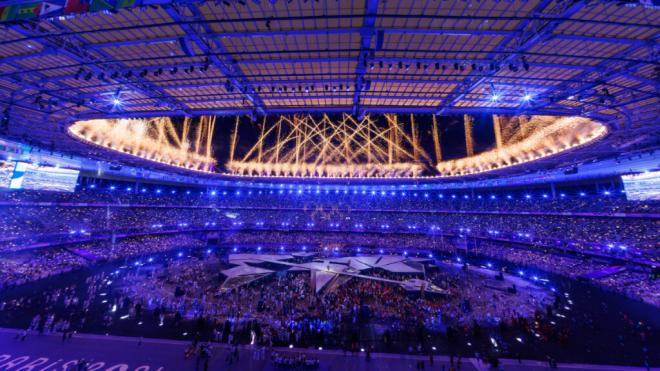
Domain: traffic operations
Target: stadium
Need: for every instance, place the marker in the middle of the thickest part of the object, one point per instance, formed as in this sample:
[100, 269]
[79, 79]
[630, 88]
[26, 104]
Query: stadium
[329, 185]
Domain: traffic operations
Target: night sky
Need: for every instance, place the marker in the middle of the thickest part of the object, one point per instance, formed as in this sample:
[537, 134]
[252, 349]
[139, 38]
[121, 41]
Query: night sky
[452, 134]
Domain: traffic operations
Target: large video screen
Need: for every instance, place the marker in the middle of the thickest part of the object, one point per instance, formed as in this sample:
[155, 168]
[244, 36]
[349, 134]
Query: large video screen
[641, 187]
[6, 172]
[46, 178]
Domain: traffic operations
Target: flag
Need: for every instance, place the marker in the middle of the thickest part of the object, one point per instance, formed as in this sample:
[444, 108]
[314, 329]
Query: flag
[47, 8]
[25, 11]
[76, 6]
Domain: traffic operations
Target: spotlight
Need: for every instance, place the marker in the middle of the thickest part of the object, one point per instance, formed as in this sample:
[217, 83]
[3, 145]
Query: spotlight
[116, 101]
[495, 97]
[527, 97]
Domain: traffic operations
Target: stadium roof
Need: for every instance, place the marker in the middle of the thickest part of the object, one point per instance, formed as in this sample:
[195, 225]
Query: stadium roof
[62, 60]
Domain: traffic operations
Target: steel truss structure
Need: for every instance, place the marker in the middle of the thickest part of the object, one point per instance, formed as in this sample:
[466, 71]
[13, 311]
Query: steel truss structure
[568, 57]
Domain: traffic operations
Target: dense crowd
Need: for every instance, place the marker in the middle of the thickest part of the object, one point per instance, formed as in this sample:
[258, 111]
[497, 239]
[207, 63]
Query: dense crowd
[635, 282]
[27, 266]
[182, 297]
[287, 301]
[618, 235]
[537, 233]
[420, 198]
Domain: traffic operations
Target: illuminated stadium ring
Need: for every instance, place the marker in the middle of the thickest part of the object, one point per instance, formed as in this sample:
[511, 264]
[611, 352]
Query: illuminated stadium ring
[294, 146]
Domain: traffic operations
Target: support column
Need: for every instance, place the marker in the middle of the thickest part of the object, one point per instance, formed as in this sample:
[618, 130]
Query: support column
[436, 141]
[260, 151]
[468, 123]
[415, 137]
[279, 135]
[497, 128]
[390, 145]
[232, 148]
[397, 138]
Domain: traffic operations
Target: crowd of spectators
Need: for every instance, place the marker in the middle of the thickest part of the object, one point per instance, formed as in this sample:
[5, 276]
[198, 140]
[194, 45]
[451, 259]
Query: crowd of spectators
[27, 266]
[541, 221]
[16, 269]
[420, 198]
[182, 296]
[634, 282]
